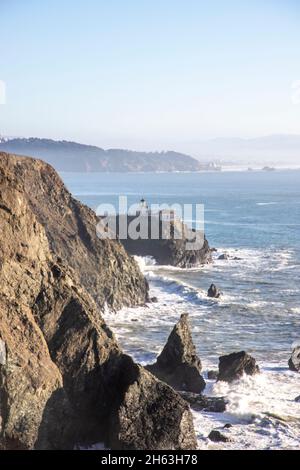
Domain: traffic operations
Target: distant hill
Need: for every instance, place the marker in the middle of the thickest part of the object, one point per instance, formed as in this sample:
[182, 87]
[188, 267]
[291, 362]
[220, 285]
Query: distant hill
[71, 156]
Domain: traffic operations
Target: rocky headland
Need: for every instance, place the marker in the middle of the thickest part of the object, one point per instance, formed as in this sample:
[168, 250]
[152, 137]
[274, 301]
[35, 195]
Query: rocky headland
[175, 244]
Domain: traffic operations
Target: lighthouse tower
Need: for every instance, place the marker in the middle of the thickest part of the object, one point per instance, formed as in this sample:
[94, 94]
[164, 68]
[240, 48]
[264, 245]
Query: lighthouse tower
[143, 209]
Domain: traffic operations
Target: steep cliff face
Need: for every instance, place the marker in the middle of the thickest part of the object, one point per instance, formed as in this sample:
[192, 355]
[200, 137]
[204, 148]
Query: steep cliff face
[62, 376]
[103, 266]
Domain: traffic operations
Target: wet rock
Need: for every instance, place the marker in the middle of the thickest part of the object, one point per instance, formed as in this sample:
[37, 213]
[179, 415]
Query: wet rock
[227, 426]
[178, 364]
[154, 299]
[213, 292]
[294, 361]
[233, 366]
[297, 399]
[212, 374]
[224, 256]
[170, 248]
[203, 403]
[217, 436]
[151, 415]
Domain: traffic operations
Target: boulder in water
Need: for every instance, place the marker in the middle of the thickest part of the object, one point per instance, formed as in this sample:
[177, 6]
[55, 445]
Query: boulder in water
[151, 415]
[294, 360]
[225, 256]
[200, 402]
[233, 366]
[213, 292]
[212, 374]
[217, 436]
[178, 364]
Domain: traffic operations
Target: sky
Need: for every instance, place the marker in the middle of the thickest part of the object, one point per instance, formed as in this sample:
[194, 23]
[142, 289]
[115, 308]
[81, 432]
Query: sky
[149, 74]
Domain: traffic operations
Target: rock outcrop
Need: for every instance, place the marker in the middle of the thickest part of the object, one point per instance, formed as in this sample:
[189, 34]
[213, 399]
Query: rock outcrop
[235, 365]
[62, 378]
[217, 436]
[213, 292]
[294, 360]
[224, 256]
[103, 266]
[151, 415]
[169, 252]
[174, 244]
[178, 364]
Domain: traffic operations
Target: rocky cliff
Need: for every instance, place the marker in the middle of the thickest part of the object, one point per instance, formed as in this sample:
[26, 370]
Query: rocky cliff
[63, 378]
[103, 266]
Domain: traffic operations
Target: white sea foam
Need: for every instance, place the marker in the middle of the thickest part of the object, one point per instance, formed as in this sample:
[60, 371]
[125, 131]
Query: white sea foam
[144, 261]
[295, 310]
[262, 409]
[266, 203]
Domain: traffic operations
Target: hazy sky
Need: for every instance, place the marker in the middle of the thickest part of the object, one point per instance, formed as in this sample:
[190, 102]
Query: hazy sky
[149, 74]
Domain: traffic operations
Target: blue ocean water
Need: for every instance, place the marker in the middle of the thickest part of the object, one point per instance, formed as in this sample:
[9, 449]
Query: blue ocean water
[254, 209]
[255, 217]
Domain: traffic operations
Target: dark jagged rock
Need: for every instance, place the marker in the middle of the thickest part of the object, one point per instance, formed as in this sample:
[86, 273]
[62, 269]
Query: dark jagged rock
[233, 366]
[203, 403]
[169, 252]
[178, 364]
[60, 365]
[154, 299]
[213, 292]
[297, 399]
[170, 247]
[224, 256]
[212, 374]
[294, 360]
[149, 414]
[217, 436]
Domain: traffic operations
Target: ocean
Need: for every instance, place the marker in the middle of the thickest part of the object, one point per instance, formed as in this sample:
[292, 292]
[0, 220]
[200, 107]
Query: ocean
[254, 217]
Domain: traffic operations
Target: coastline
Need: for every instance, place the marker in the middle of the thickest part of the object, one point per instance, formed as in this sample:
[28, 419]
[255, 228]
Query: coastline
[260, 419]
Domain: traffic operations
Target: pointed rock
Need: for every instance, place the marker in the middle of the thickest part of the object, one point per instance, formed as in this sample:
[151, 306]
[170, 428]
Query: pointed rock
[178, 364]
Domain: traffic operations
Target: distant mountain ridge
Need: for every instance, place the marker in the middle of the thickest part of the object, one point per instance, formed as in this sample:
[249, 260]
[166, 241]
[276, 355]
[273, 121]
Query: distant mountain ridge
[72, 156]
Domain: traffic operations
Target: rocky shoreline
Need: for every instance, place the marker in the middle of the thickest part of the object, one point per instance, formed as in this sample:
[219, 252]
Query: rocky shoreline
[64, 380]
